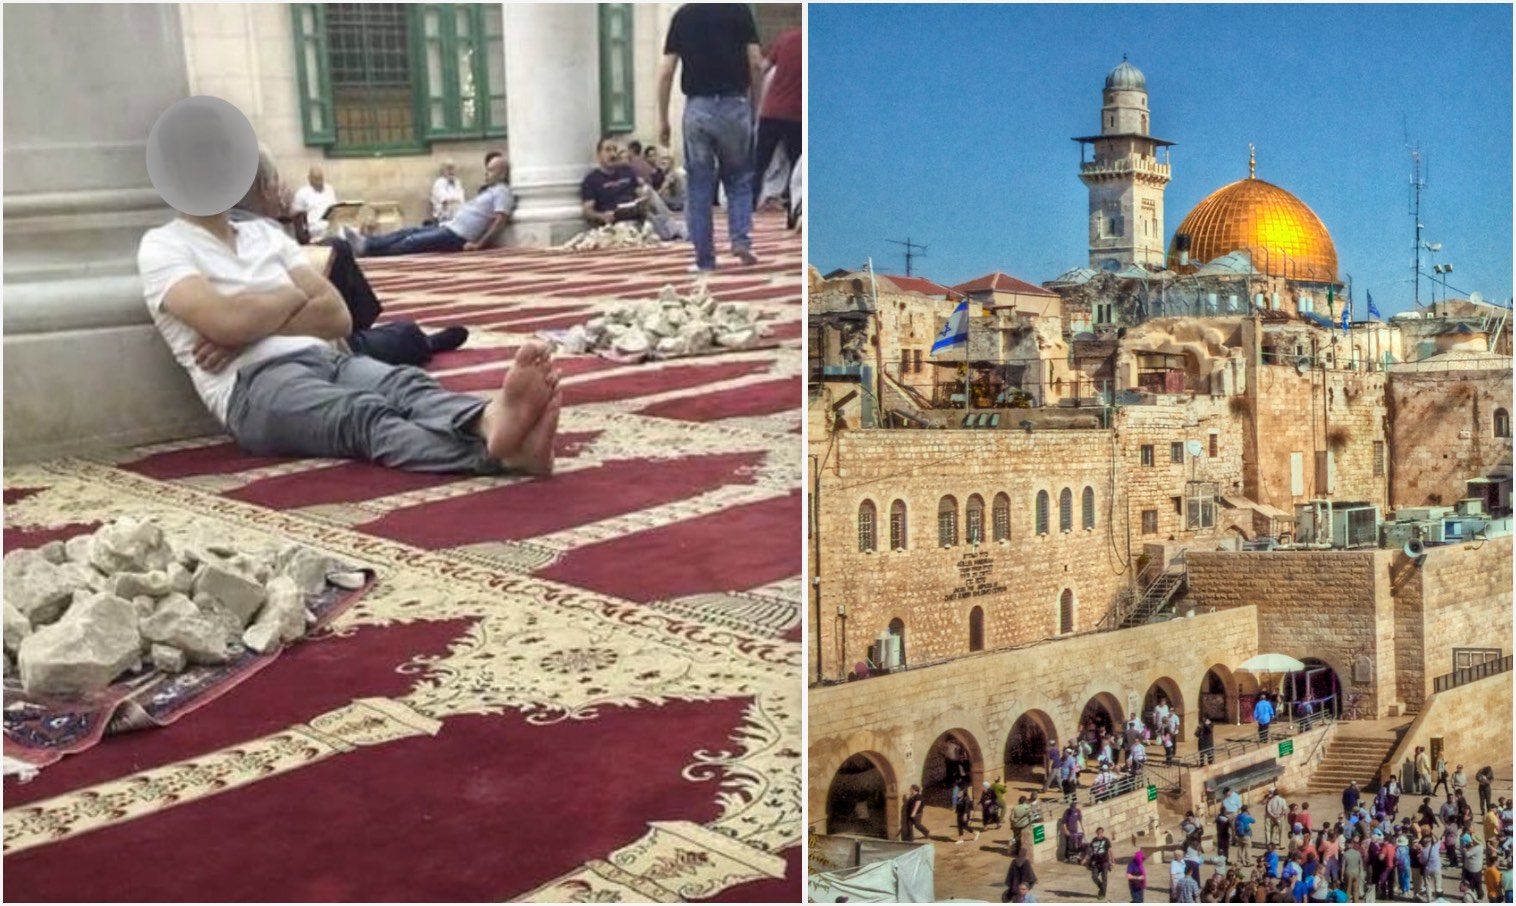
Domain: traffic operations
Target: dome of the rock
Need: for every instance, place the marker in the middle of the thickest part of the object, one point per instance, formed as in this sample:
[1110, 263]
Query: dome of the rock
[1280, 232]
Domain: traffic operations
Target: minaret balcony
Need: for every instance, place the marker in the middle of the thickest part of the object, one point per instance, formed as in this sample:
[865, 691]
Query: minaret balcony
[1123, 167]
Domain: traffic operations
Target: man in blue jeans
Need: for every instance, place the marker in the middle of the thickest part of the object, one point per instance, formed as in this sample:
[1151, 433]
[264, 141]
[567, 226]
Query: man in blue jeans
[475, 225]
[722, 64]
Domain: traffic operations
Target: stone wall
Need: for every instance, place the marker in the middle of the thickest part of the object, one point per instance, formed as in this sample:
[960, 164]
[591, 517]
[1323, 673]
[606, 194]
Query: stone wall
[1466, 601]
[1155, 487]
[1340, 411]
[1331, 605]
[1474, 721]
[1442, 426]
[1308, 750]
[897, 719]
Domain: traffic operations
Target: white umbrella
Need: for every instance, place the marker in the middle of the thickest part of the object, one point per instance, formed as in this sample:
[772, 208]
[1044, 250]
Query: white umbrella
[1271, 663]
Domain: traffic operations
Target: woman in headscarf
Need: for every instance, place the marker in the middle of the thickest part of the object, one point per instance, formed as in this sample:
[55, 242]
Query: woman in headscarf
[1137, 876]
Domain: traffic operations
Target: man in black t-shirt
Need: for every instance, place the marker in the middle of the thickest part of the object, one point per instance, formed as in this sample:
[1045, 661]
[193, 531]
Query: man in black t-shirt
[612, 192]
[716, 46]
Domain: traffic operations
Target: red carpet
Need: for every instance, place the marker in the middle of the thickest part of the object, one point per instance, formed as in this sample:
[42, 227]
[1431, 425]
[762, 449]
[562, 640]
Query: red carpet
[528, 690]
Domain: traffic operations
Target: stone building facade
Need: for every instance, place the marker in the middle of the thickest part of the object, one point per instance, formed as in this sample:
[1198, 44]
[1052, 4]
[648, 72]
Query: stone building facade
[1450, 421]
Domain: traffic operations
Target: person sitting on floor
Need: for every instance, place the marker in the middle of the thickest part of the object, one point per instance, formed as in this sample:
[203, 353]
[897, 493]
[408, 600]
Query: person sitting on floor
[394, 342]
[447, 193]
[250, 320]
[612, 192]
[476, 226]
[314, 199]
[490, 156]
[674, 188]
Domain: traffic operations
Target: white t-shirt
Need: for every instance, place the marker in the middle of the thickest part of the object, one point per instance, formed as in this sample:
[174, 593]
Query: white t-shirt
[447, 198]
[315, 205]
[262, 262]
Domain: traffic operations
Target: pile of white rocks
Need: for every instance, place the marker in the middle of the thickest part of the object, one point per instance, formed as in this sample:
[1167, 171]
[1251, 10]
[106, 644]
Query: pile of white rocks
[668, 327]
[626, 235]
[79, 614]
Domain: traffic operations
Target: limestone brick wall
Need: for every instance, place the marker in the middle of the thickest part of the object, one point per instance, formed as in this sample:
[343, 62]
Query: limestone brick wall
[934, 591]
[1155, 487]
[1474, 721]
[908, 323]
[896, 719]
[1442, 427]
[1294, 414]
[1129, 821]
[1308, 750]
[1410, 650]
[1332, 605]
[1466, 595]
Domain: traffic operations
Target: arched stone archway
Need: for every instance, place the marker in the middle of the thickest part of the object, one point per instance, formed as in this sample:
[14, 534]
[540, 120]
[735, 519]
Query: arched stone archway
[1217, 696]
[1102, 712]
[954, 753]
[1320, 680]
[1026, 747]
[859, 798]
[1167, 691]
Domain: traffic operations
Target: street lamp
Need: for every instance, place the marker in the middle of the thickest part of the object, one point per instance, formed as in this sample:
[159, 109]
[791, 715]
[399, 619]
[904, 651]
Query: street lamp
[1443, 270]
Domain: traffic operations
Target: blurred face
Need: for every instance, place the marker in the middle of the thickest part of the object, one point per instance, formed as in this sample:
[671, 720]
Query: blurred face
[495, 171]
[449, 170]
[317, 178]
[610, 153]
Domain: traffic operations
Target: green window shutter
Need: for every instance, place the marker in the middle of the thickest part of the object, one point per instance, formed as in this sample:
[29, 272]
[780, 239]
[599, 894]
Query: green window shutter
[460, 89]
[314, 80]
[616, 76]
[491, 69]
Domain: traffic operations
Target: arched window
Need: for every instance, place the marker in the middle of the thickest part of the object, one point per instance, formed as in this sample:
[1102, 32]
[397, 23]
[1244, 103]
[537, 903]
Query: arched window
[1066, 612]
[1089, 508]
[973, 520]
[1066, 510]
[1002, 517]
[947, 521]
[1502, 423]
[897, 526]
[976, 629]
[897, 629]
[1042, 512]
[866, 532]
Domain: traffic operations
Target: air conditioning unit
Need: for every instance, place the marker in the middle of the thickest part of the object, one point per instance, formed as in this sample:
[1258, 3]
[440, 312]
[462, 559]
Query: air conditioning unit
[1308, 516]
[1355, 525]
[1434, 531]
[1471, 506]
[885, 652]
[1422, 513]
[1396, 534]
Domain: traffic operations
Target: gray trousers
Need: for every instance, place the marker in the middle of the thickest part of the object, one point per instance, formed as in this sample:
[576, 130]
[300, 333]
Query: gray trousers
[320, 402]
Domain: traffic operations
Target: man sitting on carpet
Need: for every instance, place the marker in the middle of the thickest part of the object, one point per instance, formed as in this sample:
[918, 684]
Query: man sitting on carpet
[612, 192]
[475, 227]
[249, 318]
[394, 342]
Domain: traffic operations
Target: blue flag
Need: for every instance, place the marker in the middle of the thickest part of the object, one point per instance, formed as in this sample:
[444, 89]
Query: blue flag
[956, 331]
[1345, 319]
[1373, 312]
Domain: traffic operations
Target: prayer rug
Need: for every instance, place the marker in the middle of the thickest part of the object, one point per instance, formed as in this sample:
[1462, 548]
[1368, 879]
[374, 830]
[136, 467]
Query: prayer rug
[568, 689]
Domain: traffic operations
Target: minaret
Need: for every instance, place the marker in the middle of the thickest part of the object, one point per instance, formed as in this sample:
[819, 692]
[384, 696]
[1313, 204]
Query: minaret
[1126, 177]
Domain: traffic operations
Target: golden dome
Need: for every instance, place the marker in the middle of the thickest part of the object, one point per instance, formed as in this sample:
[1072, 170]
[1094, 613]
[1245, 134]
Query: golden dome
[1283, 236]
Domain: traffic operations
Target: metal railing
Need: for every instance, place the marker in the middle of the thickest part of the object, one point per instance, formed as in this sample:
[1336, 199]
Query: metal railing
[1279, 730]
[1469, 674]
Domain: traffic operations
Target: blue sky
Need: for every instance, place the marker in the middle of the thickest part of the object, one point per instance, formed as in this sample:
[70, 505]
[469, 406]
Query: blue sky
[951, 125]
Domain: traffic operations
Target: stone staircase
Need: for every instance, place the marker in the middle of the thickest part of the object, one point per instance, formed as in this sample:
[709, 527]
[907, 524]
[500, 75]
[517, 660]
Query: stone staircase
[1350, 758]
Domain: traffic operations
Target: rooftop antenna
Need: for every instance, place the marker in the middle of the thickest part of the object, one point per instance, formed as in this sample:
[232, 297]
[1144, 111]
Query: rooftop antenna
[1417, 184]
[909, 254]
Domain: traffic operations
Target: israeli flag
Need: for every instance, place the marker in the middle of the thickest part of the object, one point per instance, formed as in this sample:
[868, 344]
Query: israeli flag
[1373, 311]
[1345, 327]
[956, 331]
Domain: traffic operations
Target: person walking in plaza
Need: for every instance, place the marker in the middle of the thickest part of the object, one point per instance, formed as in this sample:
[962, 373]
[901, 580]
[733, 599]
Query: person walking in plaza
[964, 808]
[780, 115]
[1431, 868]
[1444, 782]
[1053, 766]
[989, 806]
[1100, 862]
[1275, 811]
[1460, 782]
[1353, 871]
[914, 806]
[1263, 715]
[1073, 833]
[1350, 797]
[1206, 734]
[1243, 825]
[1223, 834]
[715, 45]
[1019, 875]
[1137, 877]
[1021, 823]
[1423, 764]
[1486, 779]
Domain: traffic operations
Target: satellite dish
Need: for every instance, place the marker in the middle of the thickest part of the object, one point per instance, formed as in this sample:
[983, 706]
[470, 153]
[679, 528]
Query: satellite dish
[1303, 364]
[1194, 447]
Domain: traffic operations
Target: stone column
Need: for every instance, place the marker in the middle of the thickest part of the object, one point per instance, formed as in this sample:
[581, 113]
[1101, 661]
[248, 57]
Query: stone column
[552, 77]
[83, 365]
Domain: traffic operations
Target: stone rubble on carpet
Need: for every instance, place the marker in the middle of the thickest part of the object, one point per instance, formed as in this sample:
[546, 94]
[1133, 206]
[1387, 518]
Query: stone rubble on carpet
[625, 235]
[668, 327]
[80, 613]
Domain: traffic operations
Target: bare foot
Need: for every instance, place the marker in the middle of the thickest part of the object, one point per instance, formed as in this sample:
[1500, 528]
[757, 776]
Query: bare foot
[535, 456]
[512, 413]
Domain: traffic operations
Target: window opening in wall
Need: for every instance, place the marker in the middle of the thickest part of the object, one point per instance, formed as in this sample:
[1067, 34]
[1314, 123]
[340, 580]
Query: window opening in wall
[1176, 451]
[947, 521]
[1147, 454]
[1066, 612]
[1150, 522]
[897, 629]
[897, 526]
[918, 361]
[866, 526]
[905, 361]
[1378, 458]
[1089, 508]
[1178, 503]
[1214, 441]
[1201, 499]
[1066, 510]
[973, 521]
[1042, 512]
[976, 629]
[1002, 517]
[1502, 423]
